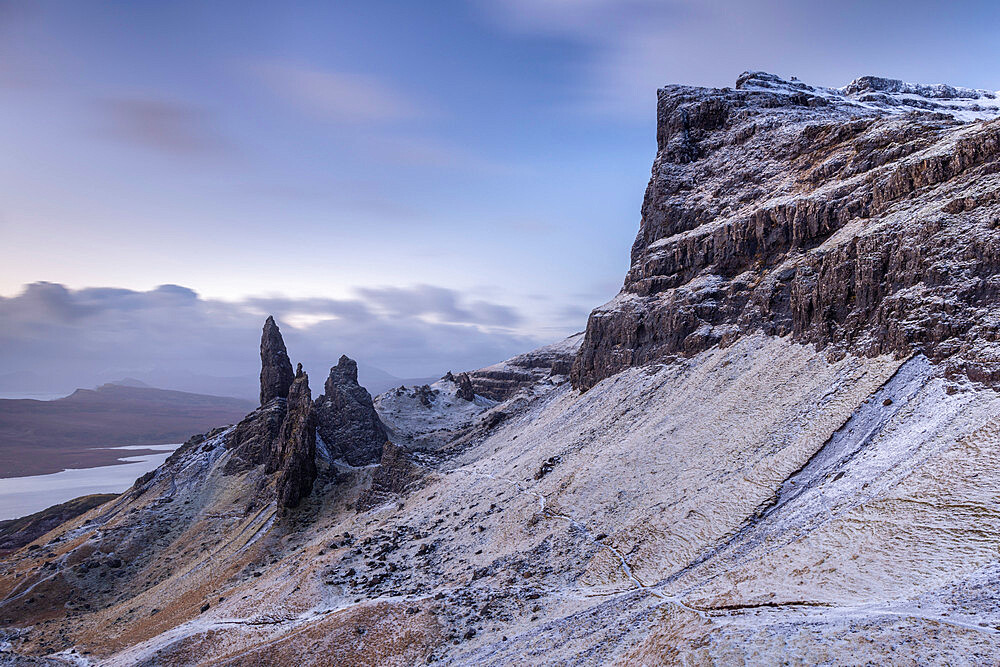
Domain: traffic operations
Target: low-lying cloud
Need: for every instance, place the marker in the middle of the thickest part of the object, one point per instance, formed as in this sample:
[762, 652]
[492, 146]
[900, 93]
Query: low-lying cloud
[346, 97]
[55, 338]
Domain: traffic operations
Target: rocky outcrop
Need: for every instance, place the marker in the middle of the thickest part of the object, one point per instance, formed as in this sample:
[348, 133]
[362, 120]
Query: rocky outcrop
[463, 384]
[255, 436]
[465, 389]
[276, 369]
[293, 454]
[501, 381]
[862, 220]
[346, 419]
[395, 473]
[425, 395]
[281, 434]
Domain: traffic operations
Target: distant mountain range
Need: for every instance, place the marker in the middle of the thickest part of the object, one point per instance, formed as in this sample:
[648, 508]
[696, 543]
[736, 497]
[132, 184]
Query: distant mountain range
[39, 437]
[25, 384]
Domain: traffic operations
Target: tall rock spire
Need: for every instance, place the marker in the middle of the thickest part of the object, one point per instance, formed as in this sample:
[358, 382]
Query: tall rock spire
[293, 454]
[276, 374]
[346, 419]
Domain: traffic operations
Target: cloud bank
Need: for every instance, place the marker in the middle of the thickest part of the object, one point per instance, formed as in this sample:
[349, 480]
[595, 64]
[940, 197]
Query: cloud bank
[55, 338]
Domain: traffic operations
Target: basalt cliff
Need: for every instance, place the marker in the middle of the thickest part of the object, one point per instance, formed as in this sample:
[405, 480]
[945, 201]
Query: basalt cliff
[780, 443]
[861, 220]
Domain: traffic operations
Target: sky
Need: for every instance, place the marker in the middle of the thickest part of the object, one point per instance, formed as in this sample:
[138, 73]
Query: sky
[421, 185]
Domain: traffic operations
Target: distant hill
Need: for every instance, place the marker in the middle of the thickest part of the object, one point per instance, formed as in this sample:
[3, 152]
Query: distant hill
[39, 437]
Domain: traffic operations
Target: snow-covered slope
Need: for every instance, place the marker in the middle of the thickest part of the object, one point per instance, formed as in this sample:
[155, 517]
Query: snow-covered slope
[886, 96]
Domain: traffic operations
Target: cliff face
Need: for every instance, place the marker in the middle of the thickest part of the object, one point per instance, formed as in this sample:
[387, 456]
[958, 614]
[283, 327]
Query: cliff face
[549, 363]
[859, 219]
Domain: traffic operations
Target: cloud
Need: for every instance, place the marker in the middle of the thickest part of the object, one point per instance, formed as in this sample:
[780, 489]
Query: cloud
[164, 125]
[377, 116]
[345, 97]
[438, 304]
[630, 46]
[171, 336]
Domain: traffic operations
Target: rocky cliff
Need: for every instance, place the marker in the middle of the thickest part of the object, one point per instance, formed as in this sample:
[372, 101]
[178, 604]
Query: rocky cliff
[500, 381]
[862, 220]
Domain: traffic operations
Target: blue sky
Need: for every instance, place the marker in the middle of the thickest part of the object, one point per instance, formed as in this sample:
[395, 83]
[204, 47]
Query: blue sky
[299, 151]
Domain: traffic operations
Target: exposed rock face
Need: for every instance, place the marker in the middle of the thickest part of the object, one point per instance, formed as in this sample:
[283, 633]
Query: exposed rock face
[255, 436]
[501, 381]
[425, 395]
[394, 474]
[465, 390]
[861, 218]
[276, 369]
[346, 418]
[293, 454]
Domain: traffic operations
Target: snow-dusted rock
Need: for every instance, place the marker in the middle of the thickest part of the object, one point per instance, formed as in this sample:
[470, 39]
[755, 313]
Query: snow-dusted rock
[346, 419]
[862, 219]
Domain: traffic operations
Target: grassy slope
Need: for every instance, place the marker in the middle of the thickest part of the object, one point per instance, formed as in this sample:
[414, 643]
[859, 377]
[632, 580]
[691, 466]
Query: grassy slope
[15, 533]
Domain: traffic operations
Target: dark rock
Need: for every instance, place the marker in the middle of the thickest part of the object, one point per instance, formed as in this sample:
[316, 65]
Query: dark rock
[346, 419]
[293, 455]
[394, 474]
[465, 390]
[252, 440]
[493, 419]
[741, 219]
[276, 368]
[546, 467]
[551, 362]
[425, 394]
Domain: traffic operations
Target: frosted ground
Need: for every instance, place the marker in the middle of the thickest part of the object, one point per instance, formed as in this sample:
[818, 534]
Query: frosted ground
[754, 503]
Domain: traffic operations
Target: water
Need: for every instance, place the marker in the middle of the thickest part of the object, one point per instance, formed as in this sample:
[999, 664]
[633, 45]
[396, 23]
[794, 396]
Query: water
[20, 496]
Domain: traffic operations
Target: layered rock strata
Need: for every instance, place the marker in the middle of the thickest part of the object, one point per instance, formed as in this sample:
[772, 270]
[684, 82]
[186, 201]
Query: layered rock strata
[862, 219]
[503, 380]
